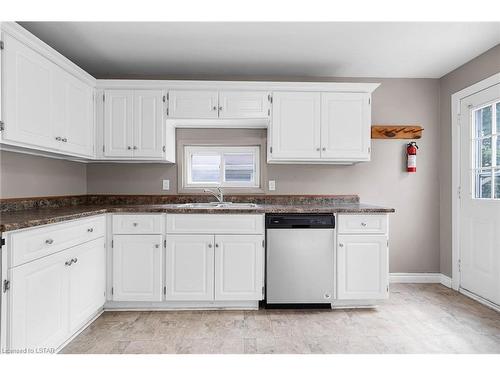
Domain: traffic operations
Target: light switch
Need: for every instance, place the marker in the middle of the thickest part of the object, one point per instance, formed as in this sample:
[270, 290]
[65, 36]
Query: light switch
[166, 184]
[272, 185]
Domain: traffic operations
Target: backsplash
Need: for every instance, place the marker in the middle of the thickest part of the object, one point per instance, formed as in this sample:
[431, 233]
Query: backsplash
[17, 204]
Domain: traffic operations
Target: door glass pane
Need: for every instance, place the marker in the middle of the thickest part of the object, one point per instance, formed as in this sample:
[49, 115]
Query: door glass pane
[498, 118]
[205, 168]
[239, 167]
[483, 184]
[498, 151]
[497, 184]
[483, 153]
[483, 120]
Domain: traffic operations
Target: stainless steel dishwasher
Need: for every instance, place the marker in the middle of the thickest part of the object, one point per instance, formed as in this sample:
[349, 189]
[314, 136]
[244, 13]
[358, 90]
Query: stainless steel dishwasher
[300, 261]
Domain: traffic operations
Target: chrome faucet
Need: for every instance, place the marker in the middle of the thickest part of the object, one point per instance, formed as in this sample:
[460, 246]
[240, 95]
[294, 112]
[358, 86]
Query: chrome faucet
[219, 194]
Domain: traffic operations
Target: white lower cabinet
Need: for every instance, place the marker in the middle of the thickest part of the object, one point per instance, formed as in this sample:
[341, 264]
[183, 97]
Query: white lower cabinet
[239, 266]
[190, 267]
[52, 297]
[137, 267]
[362, 267]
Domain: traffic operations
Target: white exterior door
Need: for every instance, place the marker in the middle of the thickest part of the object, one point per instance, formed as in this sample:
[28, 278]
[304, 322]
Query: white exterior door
[295, 126]
[243, 104]
[345, 126]
[27, 96]
[39, 303]
[239, 267]
[193, 104]
[480, 194]
[149, 125]
[137, 267]
[362, 267]
[87, 282]
[118, 123]
[190, 267]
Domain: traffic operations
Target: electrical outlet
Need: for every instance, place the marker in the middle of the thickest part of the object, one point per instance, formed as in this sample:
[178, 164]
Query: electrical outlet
[166, 184]
[272, 185]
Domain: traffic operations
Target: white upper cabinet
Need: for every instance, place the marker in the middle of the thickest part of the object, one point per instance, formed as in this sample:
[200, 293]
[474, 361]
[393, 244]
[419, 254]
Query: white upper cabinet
[244, 104]
[313, 127]
[295, 126]
[345, 126]
[193, 104]
[45, 107]
[148, 124]
[134, 126]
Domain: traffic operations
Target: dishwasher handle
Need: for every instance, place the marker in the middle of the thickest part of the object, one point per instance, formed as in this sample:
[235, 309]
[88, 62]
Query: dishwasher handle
[300, 221]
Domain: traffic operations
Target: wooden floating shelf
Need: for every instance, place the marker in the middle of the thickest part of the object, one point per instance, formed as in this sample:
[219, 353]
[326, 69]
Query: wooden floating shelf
[396, 132]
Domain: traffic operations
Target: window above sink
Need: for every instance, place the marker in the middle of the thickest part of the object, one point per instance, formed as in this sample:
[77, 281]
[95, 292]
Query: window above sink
[224, 166]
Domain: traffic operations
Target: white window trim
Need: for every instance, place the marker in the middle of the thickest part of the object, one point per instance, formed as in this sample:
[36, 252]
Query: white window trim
[188, 151]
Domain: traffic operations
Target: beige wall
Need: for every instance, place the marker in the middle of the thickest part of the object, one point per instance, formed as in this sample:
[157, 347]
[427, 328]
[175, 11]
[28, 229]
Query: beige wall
[414, 226]
[475, 70]
[24, 175]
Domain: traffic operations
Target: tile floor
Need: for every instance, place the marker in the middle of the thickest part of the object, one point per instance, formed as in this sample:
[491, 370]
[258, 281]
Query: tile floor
[418, 318]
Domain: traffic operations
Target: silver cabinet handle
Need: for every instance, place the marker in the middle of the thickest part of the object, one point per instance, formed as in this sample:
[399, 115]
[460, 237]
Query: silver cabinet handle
[157, 246]
[74, 260]
[50, 241]
[214, 108]
[68, 263]
[317, 149]
[341, 245]
[135, 147]
[209, 245]
[64, 140]
[216, 245]
[90, 230]
[220, 108]
[58, 138]
[129, 148]
[363, 224]
[323, 149]
[135, 224]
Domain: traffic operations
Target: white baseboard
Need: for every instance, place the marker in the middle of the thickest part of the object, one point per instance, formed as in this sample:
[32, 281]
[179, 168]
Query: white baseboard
[420, 278]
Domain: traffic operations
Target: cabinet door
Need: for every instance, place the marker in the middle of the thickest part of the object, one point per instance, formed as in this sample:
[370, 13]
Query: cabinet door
[295, 126]
[78, 136]
[243, 104]
[137, 267]
[118, 123]
[193, 104]
[362, 267]
[86, 282]
[190, 267]
[39, 303]
[345, 126]
[27, 95]
[239, 267]
[148, 124]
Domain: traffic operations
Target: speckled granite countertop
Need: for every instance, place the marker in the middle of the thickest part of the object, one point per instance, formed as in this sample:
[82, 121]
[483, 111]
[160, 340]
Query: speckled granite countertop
[32, 217]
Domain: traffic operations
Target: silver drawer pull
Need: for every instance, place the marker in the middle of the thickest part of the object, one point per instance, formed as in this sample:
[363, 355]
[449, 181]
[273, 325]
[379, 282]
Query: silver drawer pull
[135, 224]
[50, 241]
[363, 224]
[90, 230]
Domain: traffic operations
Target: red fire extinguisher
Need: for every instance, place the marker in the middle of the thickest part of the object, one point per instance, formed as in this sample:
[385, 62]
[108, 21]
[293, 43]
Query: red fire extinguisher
[411, 154]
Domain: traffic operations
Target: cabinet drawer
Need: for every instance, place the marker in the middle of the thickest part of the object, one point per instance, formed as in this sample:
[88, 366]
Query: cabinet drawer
[215, 224]
[137, 224]
[32, 244]
[369, 224]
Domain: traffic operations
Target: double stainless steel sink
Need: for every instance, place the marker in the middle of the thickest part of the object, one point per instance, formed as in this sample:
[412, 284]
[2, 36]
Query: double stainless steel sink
[217, 205]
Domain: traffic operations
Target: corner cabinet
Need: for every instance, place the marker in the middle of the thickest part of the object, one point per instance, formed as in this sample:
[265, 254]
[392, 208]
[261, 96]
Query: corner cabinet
[134, 125]
[326, 127]
[44, 106]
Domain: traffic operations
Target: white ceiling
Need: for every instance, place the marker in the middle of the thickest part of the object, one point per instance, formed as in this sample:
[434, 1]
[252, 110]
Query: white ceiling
[333, 49]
